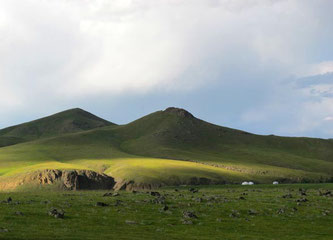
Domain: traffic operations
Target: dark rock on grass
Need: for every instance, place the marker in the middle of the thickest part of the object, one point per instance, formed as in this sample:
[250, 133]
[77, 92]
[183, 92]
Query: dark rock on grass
[176, 190]
[302, 200]
[165, 208]
[56, 213]
[111, 194]
[101, 204]
[108, 194]
[326, 212]
[3, 230]
[244, 193]
[193, 190]
[155, 194]
[18, 213]
[118, 202]
[302, 191]
[252, 212]
[130, 222]
[294, 209]
[280, 211]
[189, 214]
[234, 213]
[242, 198]
[289, 195]
[325, 194]
[187, 222]
[159, 200]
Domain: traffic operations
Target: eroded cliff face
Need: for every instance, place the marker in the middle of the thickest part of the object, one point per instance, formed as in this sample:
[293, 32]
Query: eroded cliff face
[65, 179]
[89, 180]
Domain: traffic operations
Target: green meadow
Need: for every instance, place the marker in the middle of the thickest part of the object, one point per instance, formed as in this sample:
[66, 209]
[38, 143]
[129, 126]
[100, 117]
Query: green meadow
[290, 211]
[158, 159]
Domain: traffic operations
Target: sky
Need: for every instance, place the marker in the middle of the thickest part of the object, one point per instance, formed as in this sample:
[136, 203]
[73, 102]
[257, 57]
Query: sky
[263, 66]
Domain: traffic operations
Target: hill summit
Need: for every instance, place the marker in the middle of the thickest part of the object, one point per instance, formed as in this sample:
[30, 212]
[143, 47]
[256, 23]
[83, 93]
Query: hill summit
[179, 112]
[69, 121]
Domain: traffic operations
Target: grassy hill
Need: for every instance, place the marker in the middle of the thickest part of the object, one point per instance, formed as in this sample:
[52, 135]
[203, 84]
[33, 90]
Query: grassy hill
[168, 147]
[70, 121]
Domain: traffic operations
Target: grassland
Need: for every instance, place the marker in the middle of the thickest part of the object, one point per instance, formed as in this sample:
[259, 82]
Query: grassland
[266, 212]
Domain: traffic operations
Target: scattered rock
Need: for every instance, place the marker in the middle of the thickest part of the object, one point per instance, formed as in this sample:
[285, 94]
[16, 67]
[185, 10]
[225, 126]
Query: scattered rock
[289, 195]
[165, 208]
[19, 213]
[242, 198]
[159, 200]
[280, 211]
[189, 214]
[101, 204]
[326, 193]
[108, 194]
[3, 229]
[326, 212]
[193, 190]
[234, 213]
[252, 212]
[302, 200]
[187, 222]
[302, 191]
[118, 202]
[130, 222]
[155, 194]
[56, 213]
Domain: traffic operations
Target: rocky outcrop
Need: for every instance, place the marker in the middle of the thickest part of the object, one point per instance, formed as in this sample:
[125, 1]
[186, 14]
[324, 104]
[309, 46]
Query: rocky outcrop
[131, 185]
[65, 179]
[179, 112]
[76, 179]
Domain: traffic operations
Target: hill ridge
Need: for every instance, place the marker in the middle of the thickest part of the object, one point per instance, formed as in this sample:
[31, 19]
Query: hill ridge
[68, 121]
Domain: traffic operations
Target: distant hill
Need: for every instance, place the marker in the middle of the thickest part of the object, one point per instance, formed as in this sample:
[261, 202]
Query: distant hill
[70, 121]
[169, 147]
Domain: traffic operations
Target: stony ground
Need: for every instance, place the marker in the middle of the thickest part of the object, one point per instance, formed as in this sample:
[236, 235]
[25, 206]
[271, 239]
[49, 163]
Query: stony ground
[201, 212]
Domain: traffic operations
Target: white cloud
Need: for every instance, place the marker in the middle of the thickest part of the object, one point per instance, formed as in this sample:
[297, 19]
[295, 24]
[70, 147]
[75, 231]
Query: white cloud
[330, 118]
[90, 47]
[320, 68]
[78, 49]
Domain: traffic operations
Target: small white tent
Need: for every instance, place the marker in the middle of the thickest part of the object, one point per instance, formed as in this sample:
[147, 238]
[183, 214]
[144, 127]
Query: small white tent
[245, 183]
[275, 182]
[251, 183]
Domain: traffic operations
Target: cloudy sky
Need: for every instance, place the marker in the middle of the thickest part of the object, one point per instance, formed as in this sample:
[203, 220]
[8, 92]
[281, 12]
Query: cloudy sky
[261, 66]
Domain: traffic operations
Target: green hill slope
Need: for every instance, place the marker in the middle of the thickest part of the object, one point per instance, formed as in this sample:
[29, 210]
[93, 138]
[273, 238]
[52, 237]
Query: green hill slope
[70, 121]
[173, 147]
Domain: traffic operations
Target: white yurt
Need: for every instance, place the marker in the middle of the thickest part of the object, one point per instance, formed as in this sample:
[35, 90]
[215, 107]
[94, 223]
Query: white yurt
[245, 183]
[275, 182]
[251, 183]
